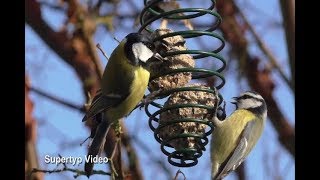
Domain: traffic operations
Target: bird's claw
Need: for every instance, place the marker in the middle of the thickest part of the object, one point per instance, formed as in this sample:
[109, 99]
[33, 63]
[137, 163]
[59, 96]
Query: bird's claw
[216, 118]
[221, 116]
[216, 97]
[149, 98]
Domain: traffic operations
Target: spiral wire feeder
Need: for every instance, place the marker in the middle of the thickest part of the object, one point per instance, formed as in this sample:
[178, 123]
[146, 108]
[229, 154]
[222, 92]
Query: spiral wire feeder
[184, 156]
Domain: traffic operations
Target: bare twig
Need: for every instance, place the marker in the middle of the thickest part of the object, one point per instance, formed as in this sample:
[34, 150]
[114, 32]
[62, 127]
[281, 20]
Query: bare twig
[114, 170]
[78, 50]
[177, 174]
[147, 150]
[77, 171]
[101, 50]
[85, 32]
[73, 50]
[58, 100]
[31, 155]
[134, 165]
[65, 168]
[96, 59]
[114, 37]
[264, 49]
[259, 80]
[288, 14]
[85, 140]
[64, 46]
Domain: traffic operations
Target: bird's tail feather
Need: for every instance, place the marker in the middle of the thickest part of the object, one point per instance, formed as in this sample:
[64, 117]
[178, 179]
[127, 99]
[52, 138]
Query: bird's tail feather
[215, 171]
[96, 145]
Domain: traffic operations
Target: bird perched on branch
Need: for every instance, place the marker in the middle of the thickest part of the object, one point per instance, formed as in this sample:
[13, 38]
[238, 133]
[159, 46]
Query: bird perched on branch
[234, 137]
[123, 85]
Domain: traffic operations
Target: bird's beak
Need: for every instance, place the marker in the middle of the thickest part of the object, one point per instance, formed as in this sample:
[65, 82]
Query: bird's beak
[234, 100]
[158, 57]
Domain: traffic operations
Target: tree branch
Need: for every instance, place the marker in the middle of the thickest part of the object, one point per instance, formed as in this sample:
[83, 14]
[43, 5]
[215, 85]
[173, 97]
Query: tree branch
[71, 50]
[31, 155]
[134, 164]
[58, 100]
[76, 171]
[74, 50]
[288, 12]
[160, 162]
[259, 80]
[65, 168]
[177, 175]
[264, 49]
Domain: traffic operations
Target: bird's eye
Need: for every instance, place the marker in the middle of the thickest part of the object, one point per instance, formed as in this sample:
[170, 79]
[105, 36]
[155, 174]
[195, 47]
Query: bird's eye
[150, 45]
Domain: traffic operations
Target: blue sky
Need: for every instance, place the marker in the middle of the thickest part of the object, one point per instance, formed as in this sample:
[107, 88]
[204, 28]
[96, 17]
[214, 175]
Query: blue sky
[59, 126]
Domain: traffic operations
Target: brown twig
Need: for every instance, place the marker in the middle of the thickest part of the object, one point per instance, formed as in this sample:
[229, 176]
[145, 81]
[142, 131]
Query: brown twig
[58, 100]
[64, 46]
[288, 14]
[86, 28]
[31, 155]
[177, 175]
[147, 150]
[264, 49]
[134, 165]
[77, 171]
[112, 157]
[101, 50]
[75, 50]
[93, 52]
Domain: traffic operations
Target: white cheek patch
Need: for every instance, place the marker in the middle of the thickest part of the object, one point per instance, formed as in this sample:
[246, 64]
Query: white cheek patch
[141, 51]
[249, 103]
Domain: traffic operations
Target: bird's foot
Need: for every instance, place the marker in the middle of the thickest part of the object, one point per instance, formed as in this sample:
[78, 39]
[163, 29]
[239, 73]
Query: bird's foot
[149, 98]
[222, 116]
[215, 117]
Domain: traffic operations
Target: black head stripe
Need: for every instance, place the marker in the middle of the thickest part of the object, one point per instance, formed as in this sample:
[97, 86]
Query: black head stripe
[249, 97]
[246, 96]
[259, 110]
[131, 39]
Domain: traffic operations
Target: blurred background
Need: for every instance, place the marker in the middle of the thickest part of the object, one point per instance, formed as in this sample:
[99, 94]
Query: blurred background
[63, 66]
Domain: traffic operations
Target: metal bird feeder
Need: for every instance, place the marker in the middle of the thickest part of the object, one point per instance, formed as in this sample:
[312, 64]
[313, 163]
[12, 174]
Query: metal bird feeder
[182, 124]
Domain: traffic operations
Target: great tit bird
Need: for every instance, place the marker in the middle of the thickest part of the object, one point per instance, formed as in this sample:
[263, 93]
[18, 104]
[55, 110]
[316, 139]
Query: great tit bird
[123, 85]
[234, 137]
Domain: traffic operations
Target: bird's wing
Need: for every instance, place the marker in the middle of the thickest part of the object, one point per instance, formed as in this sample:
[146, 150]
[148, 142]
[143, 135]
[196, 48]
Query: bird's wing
[102, 102]
[237, 156]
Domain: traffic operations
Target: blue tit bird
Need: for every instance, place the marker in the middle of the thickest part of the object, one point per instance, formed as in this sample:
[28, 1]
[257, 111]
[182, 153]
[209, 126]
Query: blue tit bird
[124, 82]
[234, 137]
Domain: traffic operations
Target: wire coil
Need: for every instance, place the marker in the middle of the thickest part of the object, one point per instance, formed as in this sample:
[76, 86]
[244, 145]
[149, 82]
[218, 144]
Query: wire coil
[188, 156]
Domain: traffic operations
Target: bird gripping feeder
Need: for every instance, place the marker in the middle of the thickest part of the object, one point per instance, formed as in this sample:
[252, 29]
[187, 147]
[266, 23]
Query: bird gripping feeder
[182, 124]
